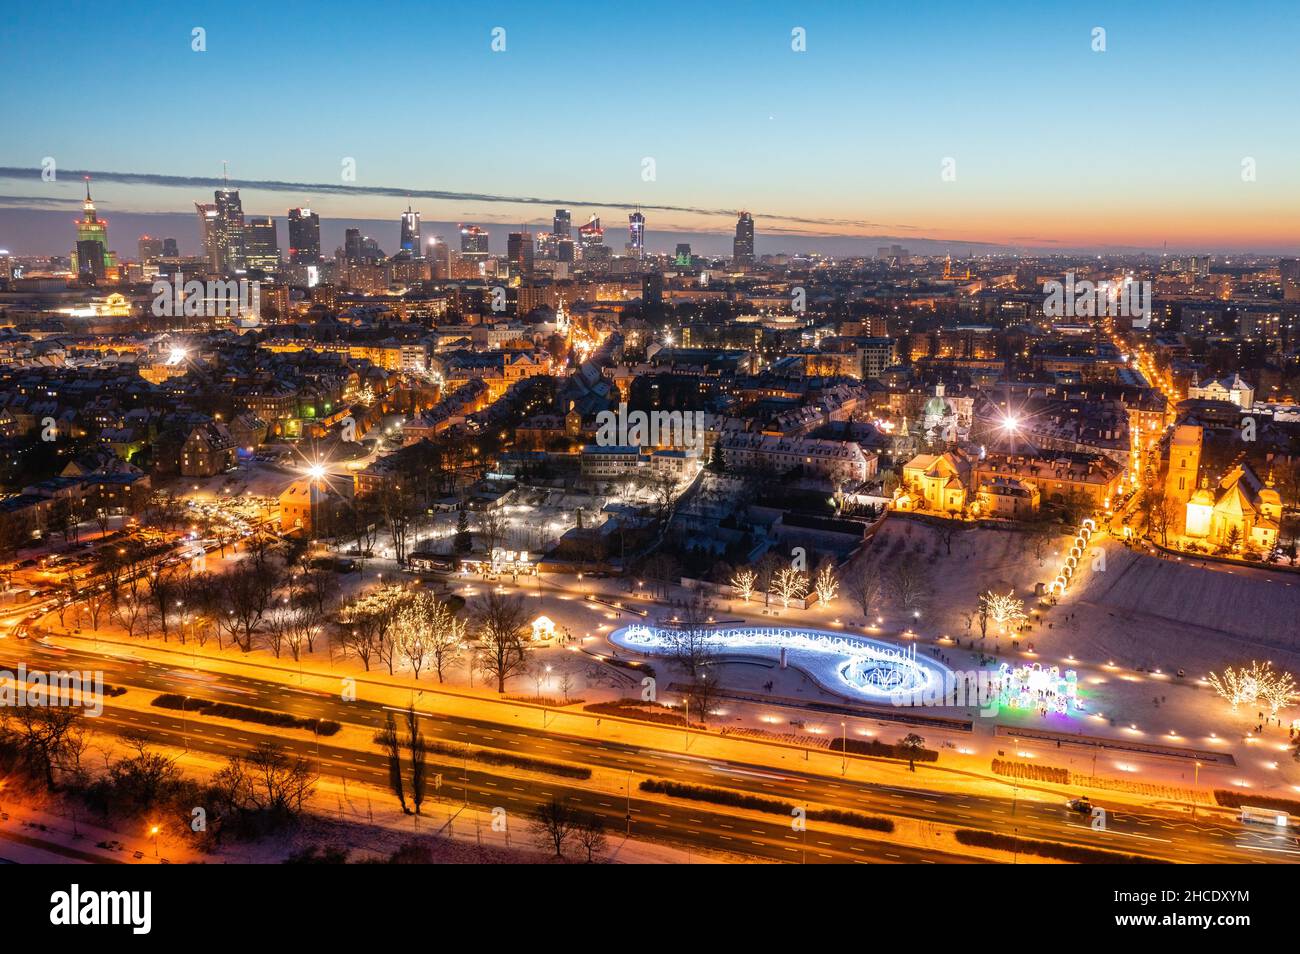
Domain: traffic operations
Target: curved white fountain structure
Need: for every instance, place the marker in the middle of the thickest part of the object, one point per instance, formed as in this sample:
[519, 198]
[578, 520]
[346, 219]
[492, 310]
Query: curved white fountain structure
[857, 666]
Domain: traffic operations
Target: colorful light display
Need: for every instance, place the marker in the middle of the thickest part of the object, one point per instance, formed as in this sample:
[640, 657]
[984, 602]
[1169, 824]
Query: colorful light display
[868, 668]
[1037, 687]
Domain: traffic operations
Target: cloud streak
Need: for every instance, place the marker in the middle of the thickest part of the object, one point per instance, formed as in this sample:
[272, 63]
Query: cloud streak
[330, 188]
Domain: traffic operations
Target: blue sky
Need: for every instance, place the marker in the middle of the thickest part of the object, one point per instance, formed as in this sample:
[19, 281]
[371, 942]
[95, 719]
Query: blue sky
[1053, 142]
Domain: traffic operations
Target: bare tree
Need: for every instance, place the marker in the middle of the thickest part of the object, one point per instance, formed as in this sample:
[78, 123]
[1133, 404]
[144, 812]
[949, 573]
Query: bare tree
[590, 833]
[909, 583]
[500, 622]
[863, 584]
[43, 735]
[553, 823]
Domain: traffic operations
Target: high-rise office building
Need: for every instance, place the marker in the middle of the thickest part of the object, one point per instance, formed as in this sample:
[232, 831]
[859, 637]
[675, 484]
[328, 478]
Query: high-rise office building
[564, 250]
[352, 245]
[411, 233]
[440, 253]
[742, 253]
[561, 223]
[652, 295]
[591, 234]
[473, 240]
[304, 237]
[636, 234]
[91, 229]
[170, 248]
[207, 213]
[473, 247]
[261, 247]
[151, 249]
[519, 252]
[683, 254]
[229, 230]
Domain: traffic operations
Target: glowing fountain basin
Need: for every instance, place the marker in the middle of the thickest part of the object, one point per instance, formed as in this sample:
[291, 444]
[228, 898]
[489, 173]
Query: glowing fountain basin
[869, 669]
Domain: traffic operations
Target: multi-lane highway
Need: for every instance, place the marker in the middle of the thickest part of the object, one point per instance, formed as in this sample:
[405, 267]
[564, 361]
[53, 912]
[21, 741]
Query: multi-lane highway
[1164, 835]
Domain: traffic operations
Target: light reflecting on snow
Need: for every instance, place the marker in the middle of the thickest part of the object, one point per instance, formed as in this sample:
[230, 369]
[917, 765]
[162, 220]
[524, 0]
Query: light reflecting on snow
[866, 668]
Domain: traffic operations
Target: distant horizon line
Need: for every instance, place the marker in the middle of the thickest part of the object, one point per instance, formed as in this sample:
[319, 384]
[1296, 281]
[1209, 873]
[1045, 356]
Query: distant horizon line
[46, 205]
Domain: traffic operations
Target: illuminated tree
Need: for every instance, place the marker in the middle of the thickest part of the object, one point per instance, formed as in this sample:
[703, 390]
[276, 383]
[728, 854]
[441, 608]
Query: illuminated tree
[789, 584]
[743, 581]
[1279, 691]
[1004, 610]
[827, 584]
[1260, 681]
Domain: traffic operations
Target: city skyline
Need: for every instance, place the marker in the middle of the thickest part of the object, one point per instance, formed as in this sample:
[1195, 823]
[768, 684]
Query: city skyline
[1037, 121]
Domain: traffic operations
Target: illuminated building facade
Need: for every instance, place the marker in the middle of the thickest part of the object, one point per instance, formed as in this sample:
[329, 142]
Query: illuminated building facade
[636, 234]
[304, 237]
[92, 232]
[411, 233]
[743, 244]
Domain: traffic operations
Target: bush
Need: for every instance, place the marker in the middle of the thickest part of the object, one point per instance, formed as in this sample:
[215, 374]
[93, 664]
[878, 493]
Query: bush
[1037, 773]
[1051, 849]
[1232, 799]
[757, 803]
[226, 710]
[492, 757]
[883, 750]
[636, 709]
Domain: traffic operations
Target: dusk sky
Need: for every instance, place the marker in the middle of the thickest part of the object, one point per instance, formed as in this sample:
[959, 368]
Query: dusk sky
[1055, 145]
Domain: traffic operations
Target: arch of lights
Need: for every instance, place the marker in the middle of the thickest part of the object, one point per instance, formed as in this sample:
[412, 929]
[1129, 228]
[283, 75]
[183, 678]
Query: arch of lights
[872, 670]
[1071, 563]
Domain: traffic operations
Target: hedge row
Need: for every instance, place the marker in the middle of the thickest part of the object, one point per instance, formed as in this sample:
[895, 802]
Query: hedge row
[883, 750]
[632, 709]
[1036, 773]
[1051, 849]
[492, 757]
[226, 710]
[724, 796]
[1232, 799]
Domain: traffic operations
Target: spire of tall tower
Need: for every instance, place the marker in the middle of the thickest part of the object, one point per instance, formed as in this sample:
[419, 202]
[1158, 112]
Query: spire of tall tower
[89, 205]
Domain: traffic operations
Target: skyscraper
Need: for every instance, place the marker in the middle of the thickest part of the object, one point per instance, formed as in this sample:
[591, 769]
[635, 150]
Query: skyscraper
[636, 234]
[562, 223]
[91, 229]
[262, 249]
[411, 233]
[519, 252]
[743, 247]
[207, 213]
[352, 246]
[304, 237]
[683, 254]
[473, 245]
[150, 248]
[229, 230]
[170, 248]
[591, 234]
[440, 252]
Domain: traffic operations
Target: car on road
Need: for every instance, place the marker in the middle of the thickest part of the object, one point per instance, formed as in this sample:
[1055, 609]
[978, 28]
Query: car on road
[1081, 805]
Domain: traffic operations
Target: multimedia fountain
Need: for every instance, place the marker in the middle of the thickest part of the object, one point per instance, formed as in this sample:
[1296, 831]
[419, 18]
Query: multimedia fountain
[856, 666]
